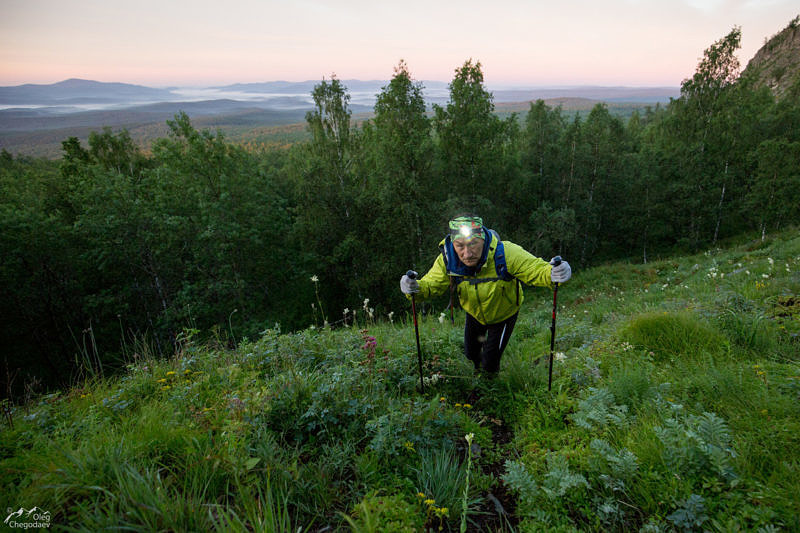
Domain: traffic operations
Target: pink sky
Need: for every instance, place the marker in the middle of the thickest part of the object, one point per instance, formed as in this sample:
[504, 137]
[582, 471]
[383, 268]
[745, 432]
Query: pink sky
[519, 42]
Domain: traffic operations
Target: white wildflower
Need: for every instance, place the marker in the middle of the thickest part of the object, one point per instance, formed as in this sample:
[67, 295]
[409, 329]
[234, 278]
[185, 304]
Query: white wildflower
[771, 261]
[469, 437]
[441, 318]
[765, 276]
[560, 356]
[391, 315]
[314, 278]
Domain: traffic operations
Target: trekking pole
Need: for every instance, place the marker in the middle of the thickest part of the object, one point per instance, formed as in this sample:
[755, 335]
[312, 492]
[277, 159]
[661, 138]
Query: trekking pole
[555, 262]
[413, 275]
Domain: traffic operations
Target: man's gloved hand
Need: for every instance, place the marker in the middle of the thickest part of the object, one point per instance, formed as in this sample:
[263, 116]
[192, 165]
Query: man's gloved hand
[408, 285]
[561, 272]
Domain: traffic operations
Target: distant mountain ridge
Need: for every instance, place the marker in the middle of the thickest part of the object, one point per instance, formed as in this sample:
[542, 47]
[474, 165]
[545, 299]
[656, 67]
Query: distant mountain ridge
[85, 92]
[77, 91]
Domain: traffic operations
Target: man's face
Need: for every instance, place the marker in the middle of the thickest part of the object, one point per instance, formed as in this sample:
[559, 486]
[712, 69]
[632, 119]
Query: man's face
[469, 251]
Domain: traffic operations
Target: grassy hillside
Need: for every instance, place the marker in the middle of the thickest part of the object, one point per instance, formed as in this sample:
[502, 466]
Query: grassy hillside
[675, 407]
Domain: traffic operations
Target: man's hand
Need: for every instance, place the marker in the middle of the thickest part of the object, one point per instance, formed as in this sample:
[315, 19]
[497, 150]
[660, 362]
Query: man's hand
[560, 272]
[408, 285]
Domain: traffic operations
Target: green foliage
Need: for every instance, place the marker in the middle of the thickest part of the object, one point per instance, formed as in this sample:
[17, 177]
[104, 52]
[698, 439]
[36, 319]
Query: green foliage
[690, 514]
[598, 410]
[670, 335]
[519, 480]
[697, 445]
[378, 512]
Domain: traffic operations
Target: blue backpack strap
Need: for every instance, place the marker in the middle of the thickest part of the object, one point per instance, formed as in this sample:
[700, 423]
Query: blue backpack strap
[500, 265]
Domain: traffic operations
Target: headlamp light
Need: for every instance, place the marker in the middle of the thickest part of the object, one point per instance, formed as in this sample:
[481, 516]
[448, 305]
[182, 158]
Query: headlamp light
[466, 227]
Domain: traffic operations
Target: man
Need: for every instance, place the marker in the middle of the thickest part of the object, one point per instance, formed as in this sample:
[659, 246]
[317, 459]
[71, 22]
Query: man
[486, 272]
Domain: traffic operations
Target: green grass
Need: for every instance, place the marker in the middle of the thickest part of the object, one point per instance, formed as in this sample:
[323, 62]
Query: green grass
[676, 399]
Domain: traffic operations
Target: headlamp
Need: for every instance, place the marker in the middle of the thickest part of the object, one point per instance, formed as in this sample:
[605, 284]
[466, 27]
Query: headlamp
[466, 228]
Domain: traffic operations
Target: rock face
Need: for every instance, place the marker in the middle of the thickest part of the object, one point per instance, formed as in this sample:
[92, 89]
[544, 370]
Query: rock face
[777, 63]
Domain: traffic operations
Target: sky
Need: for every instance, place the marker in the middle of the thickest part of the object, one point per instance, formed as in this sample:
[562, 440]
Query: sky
[520, 43]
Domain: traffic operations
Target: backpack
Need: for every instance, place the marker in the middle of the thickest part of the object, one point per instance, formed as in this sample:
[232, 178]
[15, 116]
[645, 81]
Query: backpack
[457, 270]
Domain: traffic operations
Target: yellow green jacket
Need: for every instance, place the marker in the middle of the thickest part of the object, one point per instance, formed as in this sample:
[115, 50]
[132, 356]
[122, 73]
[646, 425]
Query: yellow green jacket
[490, 302]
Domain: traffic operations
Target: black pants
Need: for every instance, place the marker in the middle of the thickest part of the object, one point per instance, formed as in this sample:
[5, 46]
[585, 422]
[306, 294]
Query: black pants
[484, 345]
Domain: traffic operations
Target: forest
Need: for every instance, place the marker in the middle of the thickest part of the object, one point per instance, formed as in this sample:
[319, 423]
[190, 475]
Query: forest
[116, 249]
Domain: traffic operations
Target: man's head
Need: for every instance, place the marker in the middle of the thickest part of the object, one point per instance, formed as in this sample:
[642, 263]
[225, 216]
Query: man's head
[468, 237]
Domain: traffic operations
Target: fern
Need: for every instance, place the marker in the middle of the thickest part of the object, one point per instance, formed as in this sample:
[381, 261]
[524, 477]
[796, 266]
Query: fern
[599, 410]
[559, 480]
[522, 483]
[697, 445]
[622, 464]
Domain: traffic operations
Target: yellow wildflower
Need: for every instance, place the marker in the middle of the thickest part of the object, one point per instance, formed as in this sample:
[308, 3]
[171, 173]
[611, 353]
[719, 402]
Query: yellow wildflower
[467, 406]
[430, 502]
[171, 372]
[442, 399]
[458, 405]
[420, 495]
[162, 380]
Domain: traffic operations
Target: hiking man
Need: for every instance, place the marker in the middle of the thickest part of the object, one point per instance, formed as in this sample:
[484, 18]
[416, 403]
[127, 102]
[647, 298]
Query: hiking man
[486, 272]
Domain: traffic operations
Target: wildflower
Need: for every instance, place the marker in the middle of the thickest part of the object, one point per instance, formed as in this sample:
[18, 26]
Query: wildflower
[165, 387]
[429, 502]
[409, 446]
[771, 261]
[765, 276]
[458, 405]
[170, 373]
[441, 318]
[162, 380]
[391, 314]
[187, 371]
[442, 399]
[346, 310]
[560, 356]
[467, 406]
[469, 437]
[314, 278]
[420, 495]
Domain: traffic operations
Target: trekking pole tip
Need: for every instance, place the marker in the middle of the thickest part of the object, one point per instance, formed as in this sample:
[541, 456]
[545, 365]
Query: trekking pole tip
[411, 274]
[556, 261]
